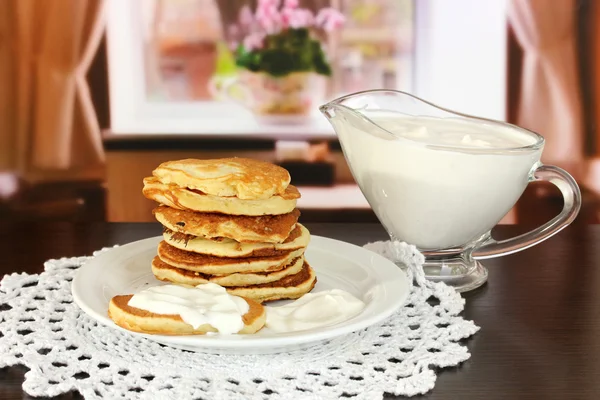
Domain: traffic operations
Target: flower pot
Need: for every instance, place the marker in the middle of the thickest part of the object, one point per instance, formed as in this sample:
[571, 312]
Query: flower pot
[286, 99]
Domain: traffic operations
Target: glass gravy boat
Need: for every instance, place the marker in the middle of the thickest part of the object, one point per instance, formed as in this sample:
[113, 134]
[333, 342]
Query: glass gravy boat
[442, 180]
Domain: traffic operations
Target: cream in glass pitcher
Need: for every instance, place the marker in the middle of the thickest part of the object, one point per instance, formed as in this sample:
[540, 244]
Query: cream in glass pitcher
[442, 180]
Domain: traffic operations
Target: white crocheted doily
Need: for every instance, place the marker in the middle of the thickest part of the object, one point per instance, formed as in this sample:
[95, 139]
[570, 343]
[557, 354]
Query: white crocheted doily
[65, 350]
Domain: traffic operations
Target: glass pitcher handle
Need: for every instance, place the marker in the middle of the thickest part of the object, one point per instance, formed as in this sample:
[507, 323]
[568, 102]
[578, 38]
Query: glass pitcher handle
[572, 203]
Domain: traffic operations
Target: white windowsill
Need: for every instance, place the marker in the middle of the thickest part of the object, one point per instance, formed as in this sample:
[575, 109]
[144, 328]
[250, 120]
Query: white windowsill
[229, 120]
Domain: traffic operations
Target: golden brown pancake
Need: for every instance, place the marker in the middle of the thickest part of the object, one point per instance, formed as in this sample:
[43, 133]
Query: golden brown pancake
[195, 200]
[168, 273]
[244, 178]
[289, 287]
[223, 247]
[137, 320]
[211, 265]
[242, 228]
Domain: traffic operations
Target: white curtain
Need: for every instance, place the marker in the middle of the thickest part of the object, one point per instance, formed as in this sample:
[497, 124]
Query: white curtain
[550, 102]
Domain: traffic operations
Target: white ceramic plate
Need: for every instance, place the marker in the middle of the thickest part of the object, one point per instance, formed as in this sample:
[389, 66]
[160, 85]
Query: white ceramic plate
[382, 285]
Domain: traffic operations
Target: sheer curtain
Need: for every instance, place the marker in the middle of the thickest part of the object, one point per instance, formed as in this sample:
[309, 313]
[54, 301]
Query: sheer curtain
[48, 120]
[550, 101]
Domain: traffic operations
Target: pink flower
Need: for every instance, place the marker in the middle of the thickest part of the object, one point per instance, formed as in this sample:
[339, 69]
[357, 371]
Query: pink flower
[330, 19]
[270, 22]
[296, 18]
[254, 41]
[291, 4]
[245, 17]
[268, 16]
[233, 30]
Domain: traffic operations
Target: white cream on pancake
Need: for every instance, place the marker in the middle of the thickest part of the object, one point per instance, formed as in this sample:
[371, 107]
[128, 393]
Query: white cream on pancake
[138, 320]
[204, 304]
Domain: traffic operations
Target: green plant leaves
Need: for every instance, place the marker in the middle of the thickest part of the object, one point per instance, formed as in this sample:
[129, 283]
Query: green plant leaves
[321, 65]
[293, 50]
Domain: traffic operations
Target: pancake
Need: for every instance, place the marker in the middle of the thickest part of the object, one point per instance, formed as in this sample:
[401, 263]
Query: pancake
[267, 228]
[244, 178]
[168, 273]
[137, 320]
[194, 200]
[224, 247]
[289, 287]
[211, 265]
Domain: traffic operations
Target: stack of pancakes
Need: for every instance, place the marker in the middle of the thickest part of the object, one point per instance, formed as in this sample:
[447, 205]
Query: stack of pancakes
[232, 222]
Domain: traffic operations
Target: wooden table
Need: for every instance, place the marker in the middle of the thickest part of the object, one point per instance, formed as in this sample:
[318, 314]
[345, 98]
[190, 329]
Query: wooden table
[539, 313]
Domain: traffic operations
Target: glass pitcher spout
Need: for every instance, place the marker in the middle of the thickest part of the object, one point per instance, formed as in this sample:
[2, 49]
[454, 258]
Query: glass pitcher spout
[356, 112]
[387, 100]
[400, 116]
[369, 101]
[372, 111]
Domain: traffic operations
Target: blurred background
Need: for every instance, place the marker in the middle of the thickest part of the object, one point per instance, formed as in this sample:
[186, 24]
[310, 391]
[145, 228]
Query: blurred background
[94, 94]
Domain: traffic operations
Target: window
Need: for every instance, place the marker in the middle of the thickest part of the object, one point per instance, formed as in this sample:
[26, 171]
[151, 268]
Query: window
[187, 44]
[168, 58]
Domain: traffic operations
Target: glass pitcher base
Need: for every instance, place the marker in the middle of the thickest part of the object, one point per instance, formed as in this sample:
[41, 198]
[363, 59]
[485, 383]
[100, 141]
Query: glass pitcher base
[462, 274]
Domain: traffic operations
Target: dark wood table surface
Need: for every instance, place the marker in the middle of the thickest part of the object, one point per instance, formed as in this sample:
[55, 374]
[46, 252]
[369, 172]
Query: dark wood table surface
[539, 313]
